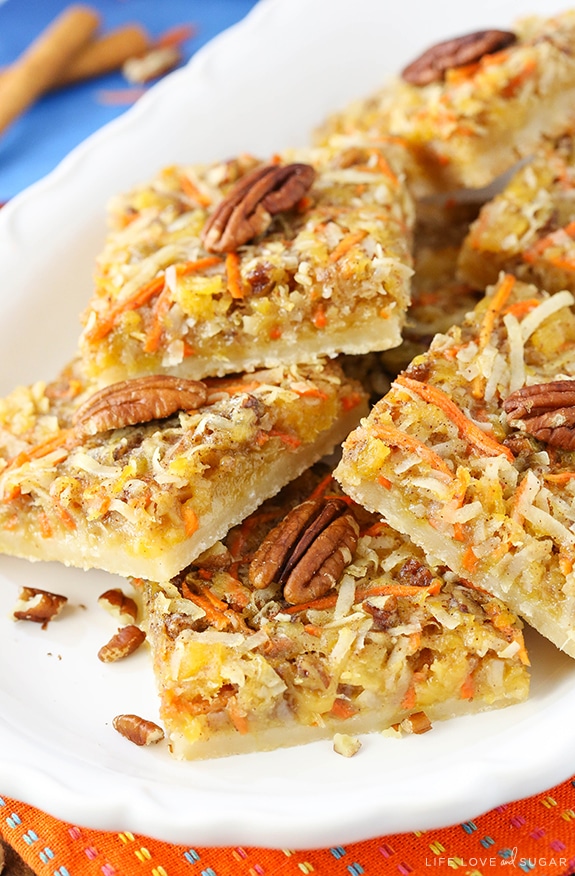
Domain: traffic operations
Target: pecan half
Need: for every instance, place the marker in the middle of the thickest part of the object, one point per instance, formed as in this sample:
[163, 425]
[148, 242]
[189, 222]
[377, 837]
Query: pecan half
[251, 203]
[432, 65]
[546, 411]
[307, 551]
[138, 401]
[39, 606]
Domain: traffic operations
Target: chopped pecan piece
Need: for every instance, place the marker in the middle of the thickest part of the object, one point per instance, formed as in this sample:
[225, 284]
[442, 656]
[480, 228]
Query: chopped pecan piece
[138, 730]
[138, 401]
[127, 640]
[415, 573]
[432, 65]
[249, 206]
[39, 606]
[546, 411]
[122, 607]
[307, 551]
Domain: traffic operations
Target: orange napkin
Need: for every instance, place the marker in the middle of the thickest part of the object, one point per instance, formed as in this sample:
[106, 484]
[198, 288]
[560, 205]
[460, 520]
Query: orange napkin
[532, 836]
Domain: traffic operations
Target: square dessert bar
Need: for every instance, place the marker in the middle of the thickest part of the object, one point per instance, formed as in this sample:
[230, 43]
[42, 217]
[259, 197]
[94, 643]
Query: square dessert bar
[471, 453]
[528, 229]
[439, 298]
[469, 107]
[237, 265]
[314, 618]
[142, 476]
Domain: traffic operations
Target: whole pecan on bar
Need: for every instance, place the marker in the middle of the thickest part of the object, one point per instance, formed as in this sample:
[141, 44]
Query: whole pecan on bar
[432, 64]
[138, 401]
[546, 411]
[307, 551]
[250, 205]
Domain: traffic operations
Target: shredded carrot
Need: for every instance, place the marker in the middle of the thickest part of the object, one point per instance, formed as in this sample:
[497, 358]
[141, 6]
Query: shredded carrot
[237, 717]
[12, 523]
[205, 574]
[537, 249]
[515, 514]
[161, 307]
[408, 701]
[320, 489]
[44, 524]
[384, 482]
[193, 192]
[395, 437]
[467, 428]
[233, 387]
[275, 333]
[351, 401]
[313, 630]
[376, 528]
[140, 297]
[517, 81]
[467, 689]
[470, 561]
[342, 709]
[235, 283]
[214, 615]
[190, 518]
[65, 436]
[495, 307]
[561, 478]
[521, 308]
[288, 440]
[458, 532]
[362, 593]
[309, 392]
[319, 318]
[185, 268]
[345, 244]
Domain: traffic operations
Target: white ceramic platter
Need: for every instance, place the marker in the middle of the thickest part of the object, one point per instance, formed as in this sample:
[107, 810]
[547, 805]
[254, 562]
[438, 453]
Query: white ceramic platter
[263, 85]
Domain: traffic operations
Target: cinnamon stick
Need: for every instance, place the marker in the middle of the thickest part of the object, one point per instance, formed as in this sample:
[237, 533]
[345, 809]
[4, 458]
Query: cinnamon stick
[44, 61]
[105, 54]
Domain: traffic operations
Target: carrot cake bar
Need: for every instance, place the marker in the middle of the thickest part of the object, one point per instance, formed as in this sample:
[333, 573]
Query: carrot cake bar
[471, 453]
[237, 265]
[528, 229]
[140, 477]
[439, 298]
[313, 619]
[471, 106]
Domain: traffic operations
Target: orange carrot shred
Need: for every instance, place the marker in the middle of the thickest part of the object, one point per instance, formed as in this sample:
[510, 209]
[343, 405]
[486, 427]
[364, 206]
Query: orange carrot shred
[345, 244]
[395, 437]
[235, 282]
[190, 518]
[467, 428]
[495, 306]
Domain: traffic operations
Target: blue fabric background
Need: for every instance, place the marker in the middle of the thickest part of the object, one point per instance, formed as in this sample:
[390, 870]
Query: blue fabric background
[35, 143]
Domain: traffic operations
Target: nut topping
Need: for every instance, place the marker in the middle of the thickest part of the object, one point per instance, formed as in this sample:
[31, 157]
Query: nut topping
[122, 607]
[138, 730]
[457, 52]
[546, 411]
[39, 606]
[127, 640]
[138, 401]
[251, 203]
[307, 551]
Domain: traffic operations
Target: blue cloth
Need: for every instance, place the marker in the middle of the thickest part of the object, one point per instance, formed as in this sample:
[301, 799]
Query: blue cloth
[36, 142]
